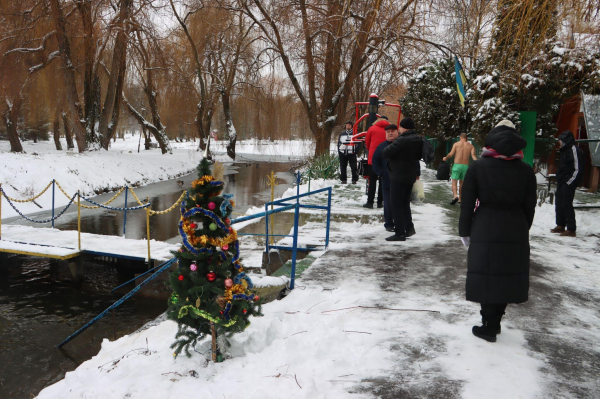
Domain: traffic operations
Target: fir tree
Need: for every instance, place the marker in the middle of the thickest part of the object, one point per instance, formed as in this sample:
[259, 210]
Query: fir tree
[211, 292]
[432, 101]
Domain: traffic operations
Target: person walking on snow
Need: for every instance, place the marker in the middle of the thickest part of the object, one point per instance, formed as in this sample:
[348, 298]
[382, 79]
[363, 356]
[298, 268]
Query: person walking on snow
[375, 136]
[380, 167]
[496, 231]
[403, 156]
[461, 152]
[568, 177]
[347, 154]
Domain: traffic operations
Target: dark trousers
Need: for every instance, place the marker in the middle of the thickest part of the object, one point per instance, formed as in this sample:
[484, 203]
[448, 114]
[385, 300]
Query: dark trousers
[387, 208]
[346, 159]
[493, 312]
[373, 178]
[563, 205]
[400, 201]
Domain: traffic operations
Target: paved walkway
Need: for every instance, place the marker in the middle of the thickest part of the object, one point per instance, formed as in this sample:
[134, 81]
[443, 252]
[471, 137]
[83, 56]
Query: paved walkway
[548, 346]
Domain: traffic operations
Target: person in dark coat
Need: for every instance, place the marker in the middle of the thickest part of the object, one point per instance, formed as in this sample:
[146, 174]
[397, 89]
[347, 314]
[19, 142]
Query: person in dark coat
[379, 165]
[375, 136]
[403, 156]
[347, 154]
[568, 177]
[496, 231]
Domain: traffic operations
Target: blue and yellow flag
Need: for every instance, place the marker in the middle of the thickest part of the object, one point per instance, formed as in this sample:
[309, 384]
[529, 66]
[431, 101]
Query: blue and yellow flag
[461, 81]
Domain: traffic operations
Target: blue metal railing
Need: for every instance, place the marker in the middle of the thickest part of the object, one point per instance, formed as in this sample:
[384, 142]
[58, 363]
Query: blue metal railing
[285, 206]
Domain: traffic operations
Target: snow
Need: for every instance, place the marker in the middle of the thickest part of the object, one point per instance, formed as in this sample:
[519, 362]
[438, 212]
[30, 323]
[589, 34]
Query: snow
[327, 340]
[61, 239]
[25, 175]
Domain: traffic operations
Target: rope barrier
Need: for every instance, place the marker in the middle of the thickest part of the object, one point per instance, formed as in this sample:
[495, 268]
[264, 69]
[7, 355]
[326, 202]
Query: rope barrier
[114, 208]
[135, 196]
[10, 202]
[93, 207]
[175, 205]
[30, 199]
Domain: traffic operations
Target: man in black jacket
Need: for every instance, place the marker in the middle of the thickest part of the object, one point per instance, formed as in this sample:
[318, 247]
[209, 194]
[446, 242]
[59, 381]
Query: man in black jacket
[403, 156]
[568, 177]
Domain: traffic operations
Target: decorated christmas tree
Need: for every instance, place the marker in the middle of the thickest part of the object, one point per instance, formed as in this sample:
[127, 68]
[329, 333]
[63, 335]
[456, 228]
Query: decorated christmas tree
[211, 292]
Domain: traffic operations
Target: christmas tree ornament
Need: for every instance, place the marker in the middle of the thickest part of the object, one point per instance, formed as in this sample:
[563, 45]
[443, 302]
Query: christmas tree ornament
[212, 227]
[225, 247]
[256, 298]
[211, 276]
[228, 283]
[218, 249]
[244, 311]
[198, 302]
[231, 230]
[193, 225]
[227, 221]
[181, 277]
[212, 206]
[193, 267]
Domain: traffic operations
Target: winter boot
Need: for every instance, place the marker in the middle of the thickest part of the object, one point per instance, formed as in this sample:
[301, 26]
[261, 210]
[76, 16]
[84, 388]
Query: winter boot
[410, 232]
[396, 237]
[558, 229]
[488, 330]
[380, 205]
[499, 330]
[343, 182]
[368, 205]
[568, 233]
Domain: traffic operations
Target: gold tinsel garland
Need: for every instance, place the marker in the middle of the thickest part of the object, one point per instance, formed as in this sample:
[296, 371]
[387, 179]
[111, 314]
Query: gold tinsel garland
[201, 181]
[202, 240]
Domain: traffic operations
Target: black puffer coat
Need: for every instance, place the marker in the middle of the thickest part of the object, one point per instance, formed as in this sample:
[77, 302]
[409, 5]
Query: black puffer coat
[403, 156]
[498, 259]
[571, 166]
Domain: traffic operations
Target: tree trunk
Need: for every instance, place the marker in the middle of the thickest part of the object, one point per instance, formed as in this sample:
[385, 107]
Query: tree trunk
[10, 120]
[56, 131]
[68, 131]
[231, 132]
[159, 135]
[117, 71]
[146, 138]
[73, 102]
[323, 140]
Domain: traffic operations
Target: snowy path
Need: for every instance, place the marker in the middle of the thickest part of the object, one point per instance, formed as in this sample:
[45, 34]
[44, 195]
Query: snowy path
[325, 340]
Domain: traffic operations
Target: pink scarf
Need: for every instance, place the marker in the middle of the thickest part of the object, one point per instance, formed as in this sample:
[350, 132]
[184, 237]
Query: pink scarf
[491, 153]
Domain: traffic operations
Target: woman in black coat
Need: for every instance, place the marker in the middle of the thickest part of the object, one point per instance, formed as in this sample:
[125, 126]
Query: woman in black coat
[496, 230]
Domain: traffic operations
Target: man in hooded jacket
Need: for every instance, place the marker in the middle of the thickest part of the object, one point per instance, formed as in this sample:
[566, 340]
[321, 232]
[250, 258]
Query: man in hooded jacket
[568, 177]
[496, 231]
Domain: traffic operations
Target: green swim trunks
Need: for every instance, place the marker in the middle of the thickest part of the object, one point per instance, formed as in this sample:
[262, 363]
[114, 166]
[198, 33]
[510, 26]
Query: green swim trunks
[459, 171]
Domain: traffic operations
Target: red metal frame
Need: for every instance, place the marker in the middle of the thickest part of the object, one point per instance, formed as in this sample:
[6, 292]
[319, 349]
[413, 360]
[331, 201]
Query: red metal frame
[358, 120]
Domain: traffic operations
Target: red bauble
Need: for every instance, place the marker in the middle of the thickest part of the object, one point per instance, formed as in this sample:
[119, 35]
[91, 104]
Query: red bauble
[197, 206]
[256, 298]
[211, 276]
[225, 247]
[228, 283]
[181, 277]
[231, 229]
[212, 205]
[244, 311]
[193, 225]
[227, 221]
[221, 312]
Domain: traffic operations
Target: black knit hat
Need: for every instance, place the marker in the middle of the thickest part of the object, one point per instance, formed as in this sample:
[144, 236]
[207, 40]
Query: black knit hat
[407, 123]
[391, 127]
[349, 123]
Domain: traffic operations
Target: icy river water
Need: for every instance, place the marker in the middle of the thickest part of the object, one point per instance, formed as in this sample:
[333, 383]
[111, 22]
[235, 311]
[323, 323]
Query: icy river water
[40, 305]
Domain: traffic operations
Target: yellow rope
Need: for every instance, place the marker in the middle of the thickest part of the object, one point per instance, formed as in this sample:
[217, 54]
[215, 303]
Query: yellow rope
[136, 197]
[30, 199]
[96, 206]
[171, 208]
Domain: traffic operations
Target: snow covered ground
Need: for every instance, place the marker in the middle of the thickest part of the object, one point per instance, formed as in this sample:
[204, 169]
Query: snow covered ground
[25, 175]
[388, 320]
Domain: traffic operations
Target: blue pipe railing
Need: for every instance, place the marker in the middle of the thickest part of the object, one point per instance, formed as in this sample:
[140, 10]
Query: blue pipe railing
[165, 266]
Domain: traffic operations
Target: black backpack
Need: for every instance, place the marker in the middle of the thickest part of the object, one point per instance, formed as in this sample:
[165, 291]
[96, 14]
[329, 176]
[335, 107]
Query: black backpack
[427, 152]
[443, 171]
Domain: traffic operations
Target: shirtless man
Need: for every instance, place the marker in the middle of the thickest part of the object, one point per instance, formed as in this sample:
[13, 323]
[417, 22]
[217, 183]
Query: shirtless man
[460, 151]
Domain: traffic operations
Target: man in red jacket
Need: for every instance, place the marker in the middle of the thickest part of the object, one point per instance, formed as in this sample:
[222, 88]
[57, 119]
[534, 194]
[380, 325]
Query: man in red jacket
[375, 136]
